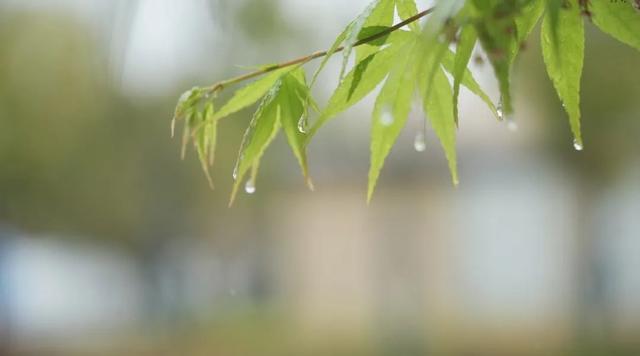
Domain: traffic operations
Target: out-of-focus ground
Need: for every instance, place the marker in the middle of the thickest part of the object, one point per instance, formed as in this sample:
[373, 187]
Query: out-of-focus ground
[110, 245]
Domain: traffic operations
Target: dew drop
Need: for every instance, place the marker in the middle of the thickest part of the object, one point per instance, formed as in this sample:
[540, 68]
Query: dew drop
[578, 145]
[420, 144]
[500, 112]
[250, 186]
[235, 173]
[303, 125]
[387, 119]
[512, 125]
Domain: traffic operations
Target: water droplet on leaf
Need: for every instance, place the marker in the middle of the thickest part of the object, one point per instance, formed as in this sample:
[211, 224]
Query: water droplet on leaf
[420, 144]
[250, 186]
[500, 112]
[387, 119]
[578, 145]
[303, 125]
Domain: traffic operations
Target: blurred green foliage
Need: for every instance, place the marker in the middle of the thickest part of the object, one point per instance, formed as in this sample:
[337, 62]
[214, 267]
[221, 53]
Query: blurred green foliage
[80, 158]
[76, 156]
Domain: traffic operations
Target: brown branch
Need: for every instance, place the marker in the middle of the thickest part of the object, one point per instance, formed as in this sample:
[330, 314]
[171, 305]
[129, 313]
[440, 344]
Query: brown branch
[221, 85]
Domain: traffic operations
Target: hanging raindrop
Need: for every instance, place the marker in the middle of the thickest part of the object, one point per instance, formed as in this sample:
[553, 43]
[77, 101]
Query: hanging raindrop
[500, 112]
[250, 186]
[420, 144]
[235, 173]
[578, 145]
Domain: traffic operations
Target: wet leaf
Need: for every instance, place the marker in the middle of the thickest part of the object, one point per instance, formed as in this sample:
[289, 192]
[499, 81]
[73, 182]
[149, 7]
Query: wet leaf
[565, 60]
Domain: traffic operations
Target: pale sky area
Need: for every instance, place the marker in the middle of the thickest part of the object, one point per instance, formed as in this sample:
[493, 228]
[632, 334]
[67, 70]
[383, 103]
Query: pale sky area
[156, 45]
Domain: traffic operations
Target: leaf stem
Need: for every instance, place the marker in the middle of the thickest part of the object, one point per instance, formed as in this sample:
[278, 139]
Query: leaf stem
[305, 59]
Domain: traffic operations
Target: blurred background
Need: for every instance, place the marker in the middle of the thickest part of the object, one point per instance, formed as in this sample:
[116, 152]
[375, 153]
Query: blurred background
[111, 245]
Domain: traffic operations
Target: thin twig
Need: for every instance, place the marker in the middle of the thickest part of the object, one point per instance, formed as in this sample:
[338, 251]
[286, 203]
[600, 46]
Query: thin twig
[221, 85]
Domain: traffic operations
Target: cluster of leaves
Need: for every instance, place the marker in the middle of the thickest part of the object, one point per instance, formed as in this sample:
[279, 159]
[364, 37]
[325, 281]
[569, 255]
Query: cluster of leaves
[409, 61]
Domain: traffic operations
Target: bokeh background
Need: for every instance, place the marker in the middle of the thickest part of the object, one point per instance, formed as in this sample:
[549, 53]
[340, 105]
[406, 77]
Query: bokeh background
[111, 245]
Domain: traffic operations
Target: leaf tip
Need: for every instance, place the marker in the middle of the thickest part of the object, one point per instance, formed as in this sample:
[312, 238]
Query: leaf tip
[210, 181]
[369, 198]
[310, 184]
[370, 191]
[232, 199]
